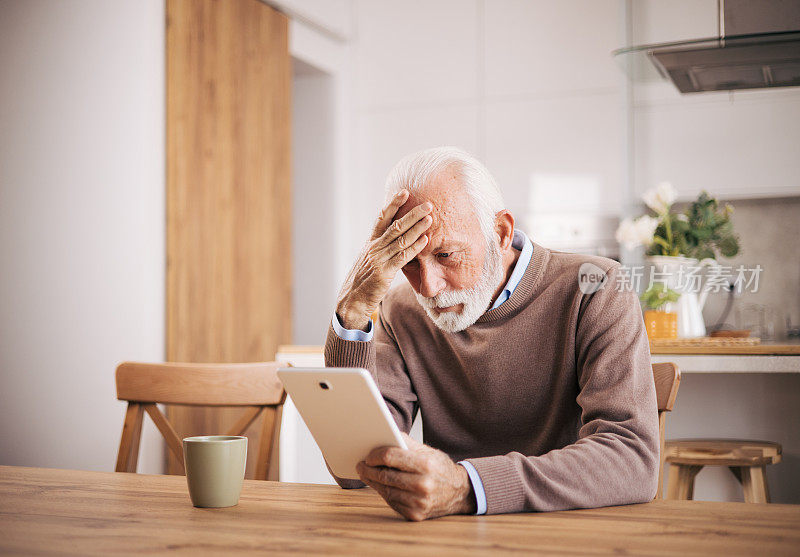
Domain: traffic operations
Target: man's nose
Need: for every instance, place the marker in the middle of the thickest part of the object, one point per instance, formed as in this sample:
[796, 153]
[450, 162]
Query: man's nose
[431, 281]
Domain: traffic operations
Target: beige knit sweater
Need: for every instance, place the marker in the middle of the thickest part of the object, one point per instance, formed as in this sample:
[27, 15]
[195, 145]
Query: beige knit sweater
[550, 395]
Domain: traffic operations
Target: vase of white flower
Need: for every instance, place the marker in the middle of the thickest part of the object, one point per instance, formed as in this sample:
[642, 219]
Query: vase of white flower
[659, 320]
[682, 274]
[679, 246]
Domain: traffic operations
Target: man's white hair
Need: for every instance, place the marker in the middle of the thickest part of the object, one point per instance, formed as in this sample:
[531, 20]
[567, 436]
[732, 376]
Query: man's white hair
[417, 170]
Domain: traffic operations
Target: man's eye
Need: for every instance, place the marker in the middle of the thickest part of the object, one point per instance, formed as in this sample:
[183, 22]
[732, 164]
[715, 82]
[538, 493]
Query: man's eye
[443, 255]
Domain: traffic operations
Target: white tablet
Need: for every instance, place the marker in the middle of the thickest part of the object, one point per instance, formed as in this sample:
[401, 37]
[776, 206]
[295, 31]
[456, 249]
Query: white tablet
[345, 412]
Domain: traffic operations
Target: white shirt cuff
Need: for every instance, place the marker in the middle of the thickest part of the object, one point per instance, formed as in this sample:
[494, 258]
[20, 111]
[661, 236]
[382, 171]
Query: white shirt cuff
[477, 486]
[351, 334]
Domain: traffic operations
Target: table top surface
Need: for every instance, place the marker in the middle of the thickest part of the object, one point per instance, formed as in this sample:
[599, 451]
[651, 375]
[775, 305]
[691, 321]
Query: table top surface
[78, 512]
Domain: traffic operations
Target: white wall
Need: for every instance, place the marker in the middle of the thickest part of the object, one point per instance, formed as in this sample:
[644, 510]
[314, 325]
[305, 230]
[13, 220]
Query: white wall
[528, 86]
[332, 18]
[313, 166]
[321, 135]
[82, 224]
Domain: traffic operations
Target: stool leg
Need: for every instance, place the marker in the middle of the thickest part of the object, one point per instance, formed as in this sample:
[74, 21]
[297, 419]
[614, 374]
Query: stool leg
[672, 481]
[680, 484]
[690, 475]
[754, 484]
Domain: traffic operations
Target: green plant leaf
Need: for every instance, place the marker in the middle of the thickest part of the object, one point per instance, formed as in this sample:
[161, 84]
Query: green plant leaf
[728, 245]
[706, 230]
[657, 295]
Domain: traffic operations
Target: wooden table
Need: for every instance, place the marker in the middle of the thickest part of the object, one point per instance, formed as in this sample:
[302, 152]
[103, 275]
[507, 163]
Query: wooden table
[75, 512]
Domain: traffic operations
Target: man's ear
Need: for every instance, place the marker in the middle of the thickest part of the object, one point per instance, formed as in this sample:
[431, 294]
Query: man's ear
[504, 228]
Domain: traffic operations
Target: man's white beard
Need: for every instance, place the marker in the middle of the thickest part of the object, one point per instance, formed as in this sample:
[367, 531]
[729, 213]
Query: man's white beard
[476, 300]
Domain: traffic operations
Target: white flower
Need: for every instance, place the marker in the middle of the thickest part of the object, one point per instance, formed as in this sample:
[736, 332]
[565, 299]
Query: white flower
[660, 198]
[633, 233]
[626, 233]
[646, 227]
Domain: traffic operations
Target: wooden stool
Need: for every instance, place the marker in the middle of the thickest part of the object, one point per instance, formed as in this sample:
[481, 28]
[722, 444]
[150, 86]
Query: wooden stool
[747, 460]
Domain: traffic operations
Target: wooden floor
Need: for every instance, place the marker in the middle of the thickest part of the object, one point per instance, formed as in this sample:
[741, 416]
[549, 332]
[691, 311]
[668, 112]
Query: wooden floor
[71, 512]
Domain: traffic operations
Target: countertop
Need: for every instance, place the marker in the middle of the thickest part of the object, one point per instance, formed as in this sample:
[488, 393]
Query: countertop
[782, 348]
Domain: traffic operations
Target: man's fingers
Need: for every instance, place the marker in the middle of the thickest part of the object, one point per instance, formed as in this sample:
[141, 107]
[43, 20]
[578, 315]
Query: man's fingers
[407, 512]
[404, 224]
[386, 214]
[388, 476]
[401, 501]
[404, 241]
[393, 457]
[405, 255]
[393, 496]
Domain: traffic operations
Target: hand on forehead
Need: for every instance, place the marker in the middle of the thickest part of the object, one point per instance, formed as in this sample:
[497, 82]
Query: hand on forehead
[414, 200]
[450, 202]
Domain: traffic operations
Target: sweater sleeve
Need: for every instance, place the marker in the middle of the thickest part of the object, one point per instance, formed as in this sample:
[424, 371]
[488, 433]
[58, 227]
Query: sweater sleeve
[382, 357]
[615, 459]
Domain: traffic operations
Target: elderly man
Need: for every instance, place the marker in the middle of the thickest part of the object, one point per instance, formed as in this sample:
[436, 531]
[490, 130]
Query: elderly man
[537, 392]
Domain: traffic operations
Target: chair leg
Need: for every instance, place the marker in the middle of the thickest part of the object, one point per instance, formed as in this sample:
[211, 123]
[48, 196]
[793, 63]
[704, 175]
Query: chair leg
[673, 477]
[680, 484]
[128, 455]
[662, 426]
[266, 442]
[754, 484]
[274, 462]
[168, 432]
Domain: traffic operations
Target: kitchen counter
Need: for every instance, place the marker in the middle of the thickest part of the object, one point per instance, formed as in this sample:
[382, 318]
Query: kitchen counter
[759, 358]
[788, 348]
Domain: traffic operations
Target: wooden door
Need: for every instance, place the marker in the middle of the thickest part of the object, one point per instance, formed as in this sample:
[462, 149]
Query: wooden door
[228, 191]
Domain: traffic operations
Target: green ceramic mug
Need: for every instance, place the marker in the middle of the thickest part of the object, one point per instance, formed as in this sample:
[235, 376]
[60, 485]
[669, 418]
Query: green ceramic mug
[215, 469]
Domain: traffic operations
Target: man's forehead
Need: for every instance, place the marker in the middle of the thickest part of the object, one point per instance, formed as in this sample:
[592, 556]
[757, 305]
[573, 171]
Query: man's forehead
[448, 197]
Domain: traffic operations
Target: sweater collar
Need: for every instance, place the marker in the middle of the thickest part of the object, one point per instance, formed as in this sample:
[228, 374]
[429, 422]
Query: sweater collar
[519, 242]
[522, 291]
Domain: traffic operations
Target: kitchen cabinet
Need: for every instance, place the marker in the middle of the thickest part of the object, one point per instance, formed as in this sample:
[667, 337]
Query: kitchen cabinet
[736, 145]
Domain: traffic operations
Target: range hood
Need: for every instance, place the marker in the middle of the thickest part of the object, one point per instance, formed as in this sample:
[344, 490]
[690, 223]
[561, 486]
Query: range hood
[758, 46]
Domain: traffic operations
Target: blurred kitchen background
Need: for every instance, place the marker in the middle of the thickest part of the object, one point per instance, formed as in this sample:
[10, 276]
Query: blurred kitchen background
[573, 134]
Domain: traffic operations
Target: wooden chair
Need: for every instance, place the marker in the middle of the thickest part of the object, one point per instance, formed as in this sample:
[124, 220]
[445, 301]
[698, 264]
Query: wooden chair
[255, 387]
[747, 460]
[667, 377]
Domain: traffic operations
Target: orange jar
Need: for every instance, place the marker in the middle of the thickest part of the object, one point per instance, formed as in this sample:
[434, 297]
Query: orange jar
[661, 324]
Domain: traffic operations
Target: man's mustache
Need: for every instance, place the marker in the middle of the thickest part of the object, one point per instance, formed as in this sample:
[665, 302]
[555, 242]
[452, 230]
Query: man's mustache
[443, 299]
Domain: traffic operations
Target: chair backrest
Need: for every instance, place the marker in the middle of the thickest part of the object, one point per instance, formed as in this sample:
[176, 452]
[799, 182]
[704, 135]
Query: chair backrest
[253, 386]
[667, 378]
